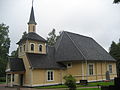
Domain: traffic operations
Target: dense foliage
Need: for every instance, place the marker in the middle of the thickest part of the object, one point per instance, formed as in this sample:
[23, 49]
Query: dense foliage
[4, 48]
[116, 1]
[115, 53]
[70, 82]
[51, 39]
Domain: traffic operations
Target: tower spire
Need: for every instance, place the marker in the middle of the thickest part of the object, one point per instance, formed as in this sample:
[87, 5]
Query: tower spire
[32, 23]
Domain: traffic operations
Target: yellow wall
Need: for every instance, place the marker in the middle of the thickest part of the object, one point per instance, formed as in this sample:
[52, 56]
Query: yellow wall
[36, 47]
[79, 70]
[30, 28]
[40, 77]
[37, 77]
[27, 44]
[27, 75]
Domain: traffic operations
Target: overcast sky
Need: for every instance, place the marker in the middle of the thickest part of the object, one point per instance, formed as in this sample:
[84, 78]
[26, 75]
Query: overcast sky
[99, 19]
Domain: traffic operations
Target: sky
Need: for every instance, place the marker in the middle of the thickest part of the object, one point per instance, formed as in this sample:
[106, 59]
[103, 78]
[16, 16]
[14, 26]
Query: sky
[99, 19]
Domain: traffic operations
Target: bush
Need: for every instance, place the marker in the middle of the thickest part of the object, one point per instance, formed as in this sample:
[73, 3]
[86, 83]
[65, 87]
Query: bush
[2, 79]
[70, 82]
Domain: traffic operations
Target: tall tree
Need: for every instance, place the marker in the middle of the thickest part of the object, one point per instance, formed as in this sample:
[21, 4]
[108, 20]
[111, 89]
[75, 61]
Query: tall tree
[4, 47]
[116, 1]
[115, 53]
[51, 39]
[114, 50]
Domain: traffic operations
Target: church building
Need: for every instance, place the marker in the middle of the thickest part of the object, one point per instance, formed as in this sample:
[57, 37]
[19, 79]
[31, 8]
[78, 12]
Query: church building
[39, 64]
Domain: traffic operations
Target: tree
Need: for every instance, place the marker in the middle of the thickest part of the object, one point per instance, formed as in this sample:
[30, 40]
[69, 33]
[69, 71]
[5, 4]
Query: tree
[115, 53]
[116, 1]
[14, 53]
[4, 48]
[70, 81]
[52, 38]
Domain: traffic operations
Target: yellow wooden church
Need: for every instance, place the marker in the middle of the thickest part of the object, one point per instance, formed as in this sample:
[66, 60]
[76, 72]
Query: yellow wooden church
[39, 64]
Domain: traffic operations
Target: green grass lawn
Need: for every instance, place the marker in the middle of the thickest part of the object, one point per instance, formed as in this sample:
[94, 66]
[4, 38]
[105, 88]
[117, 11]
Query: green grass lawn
[96, 84]
[89, 89]
[92, 84]
[2, 82]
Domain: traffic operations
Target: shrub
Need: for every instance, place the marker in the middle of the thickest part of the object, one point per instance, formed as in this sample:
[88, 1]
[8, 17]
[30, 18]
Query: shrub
[2, 79]
[70, 82]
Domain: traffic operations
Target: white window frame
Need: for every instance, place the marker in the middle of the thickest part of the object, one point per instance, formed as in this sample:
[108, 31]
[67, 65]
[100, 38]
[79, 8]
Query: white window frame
[50, 75]
[34, 47]
[89, 69]
[68, 65]
[111, 68]
[38, 47]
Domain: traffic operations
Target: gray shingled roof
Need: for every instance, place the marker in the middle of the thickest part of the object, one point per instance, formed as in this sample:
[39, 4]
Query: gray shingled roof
[44, 61]
[32, 36]
[16, 64]
[32, 17]
[72, 47]
[69, 47]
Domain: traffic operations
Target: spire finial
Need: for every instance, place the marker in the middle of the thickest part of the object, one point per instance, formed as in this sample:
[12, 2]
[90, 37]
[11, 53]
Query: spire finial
[32, 2]
[32, 17]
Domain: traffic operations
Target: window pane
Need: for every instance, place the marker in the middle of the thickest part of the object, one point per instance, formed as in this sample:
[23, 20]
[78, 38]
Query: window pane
[24, 47]
[90, 69]
[48, 75]
[40, 48]
[20, 49]
[51, 75]
[110, 68]
[32, 47]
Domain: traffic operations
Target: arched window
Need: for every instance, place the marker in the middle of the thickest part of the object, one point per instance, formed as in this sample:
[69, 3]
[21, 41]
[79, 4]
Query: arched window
[32, 47]
[20, 48]
[40, 48]
[24, 47]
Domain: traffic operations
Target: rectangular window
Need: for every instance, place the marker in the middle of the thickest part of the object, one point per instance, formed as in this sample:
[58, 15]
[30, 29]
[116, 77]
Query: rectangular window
[90, 69]
[69, 65]
[110, 68]
[50, 75]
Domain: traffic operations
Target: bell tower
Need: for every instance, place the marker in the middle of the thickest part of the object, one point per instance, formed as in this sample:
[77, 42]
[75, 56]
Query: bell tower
[32, 24]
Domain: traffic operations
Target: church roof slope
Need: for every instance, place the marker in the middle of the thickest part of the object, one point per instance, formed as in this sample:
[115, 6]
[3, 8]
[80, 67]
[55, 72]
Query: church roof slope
[16, 64]
[72, 47]
[32, 36]
[44, 61]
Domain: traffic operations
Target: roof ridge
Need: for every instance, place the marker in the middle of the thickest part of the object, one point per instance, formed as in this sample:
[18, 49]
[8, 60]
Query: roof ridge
[76, 45]
[77, 34]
